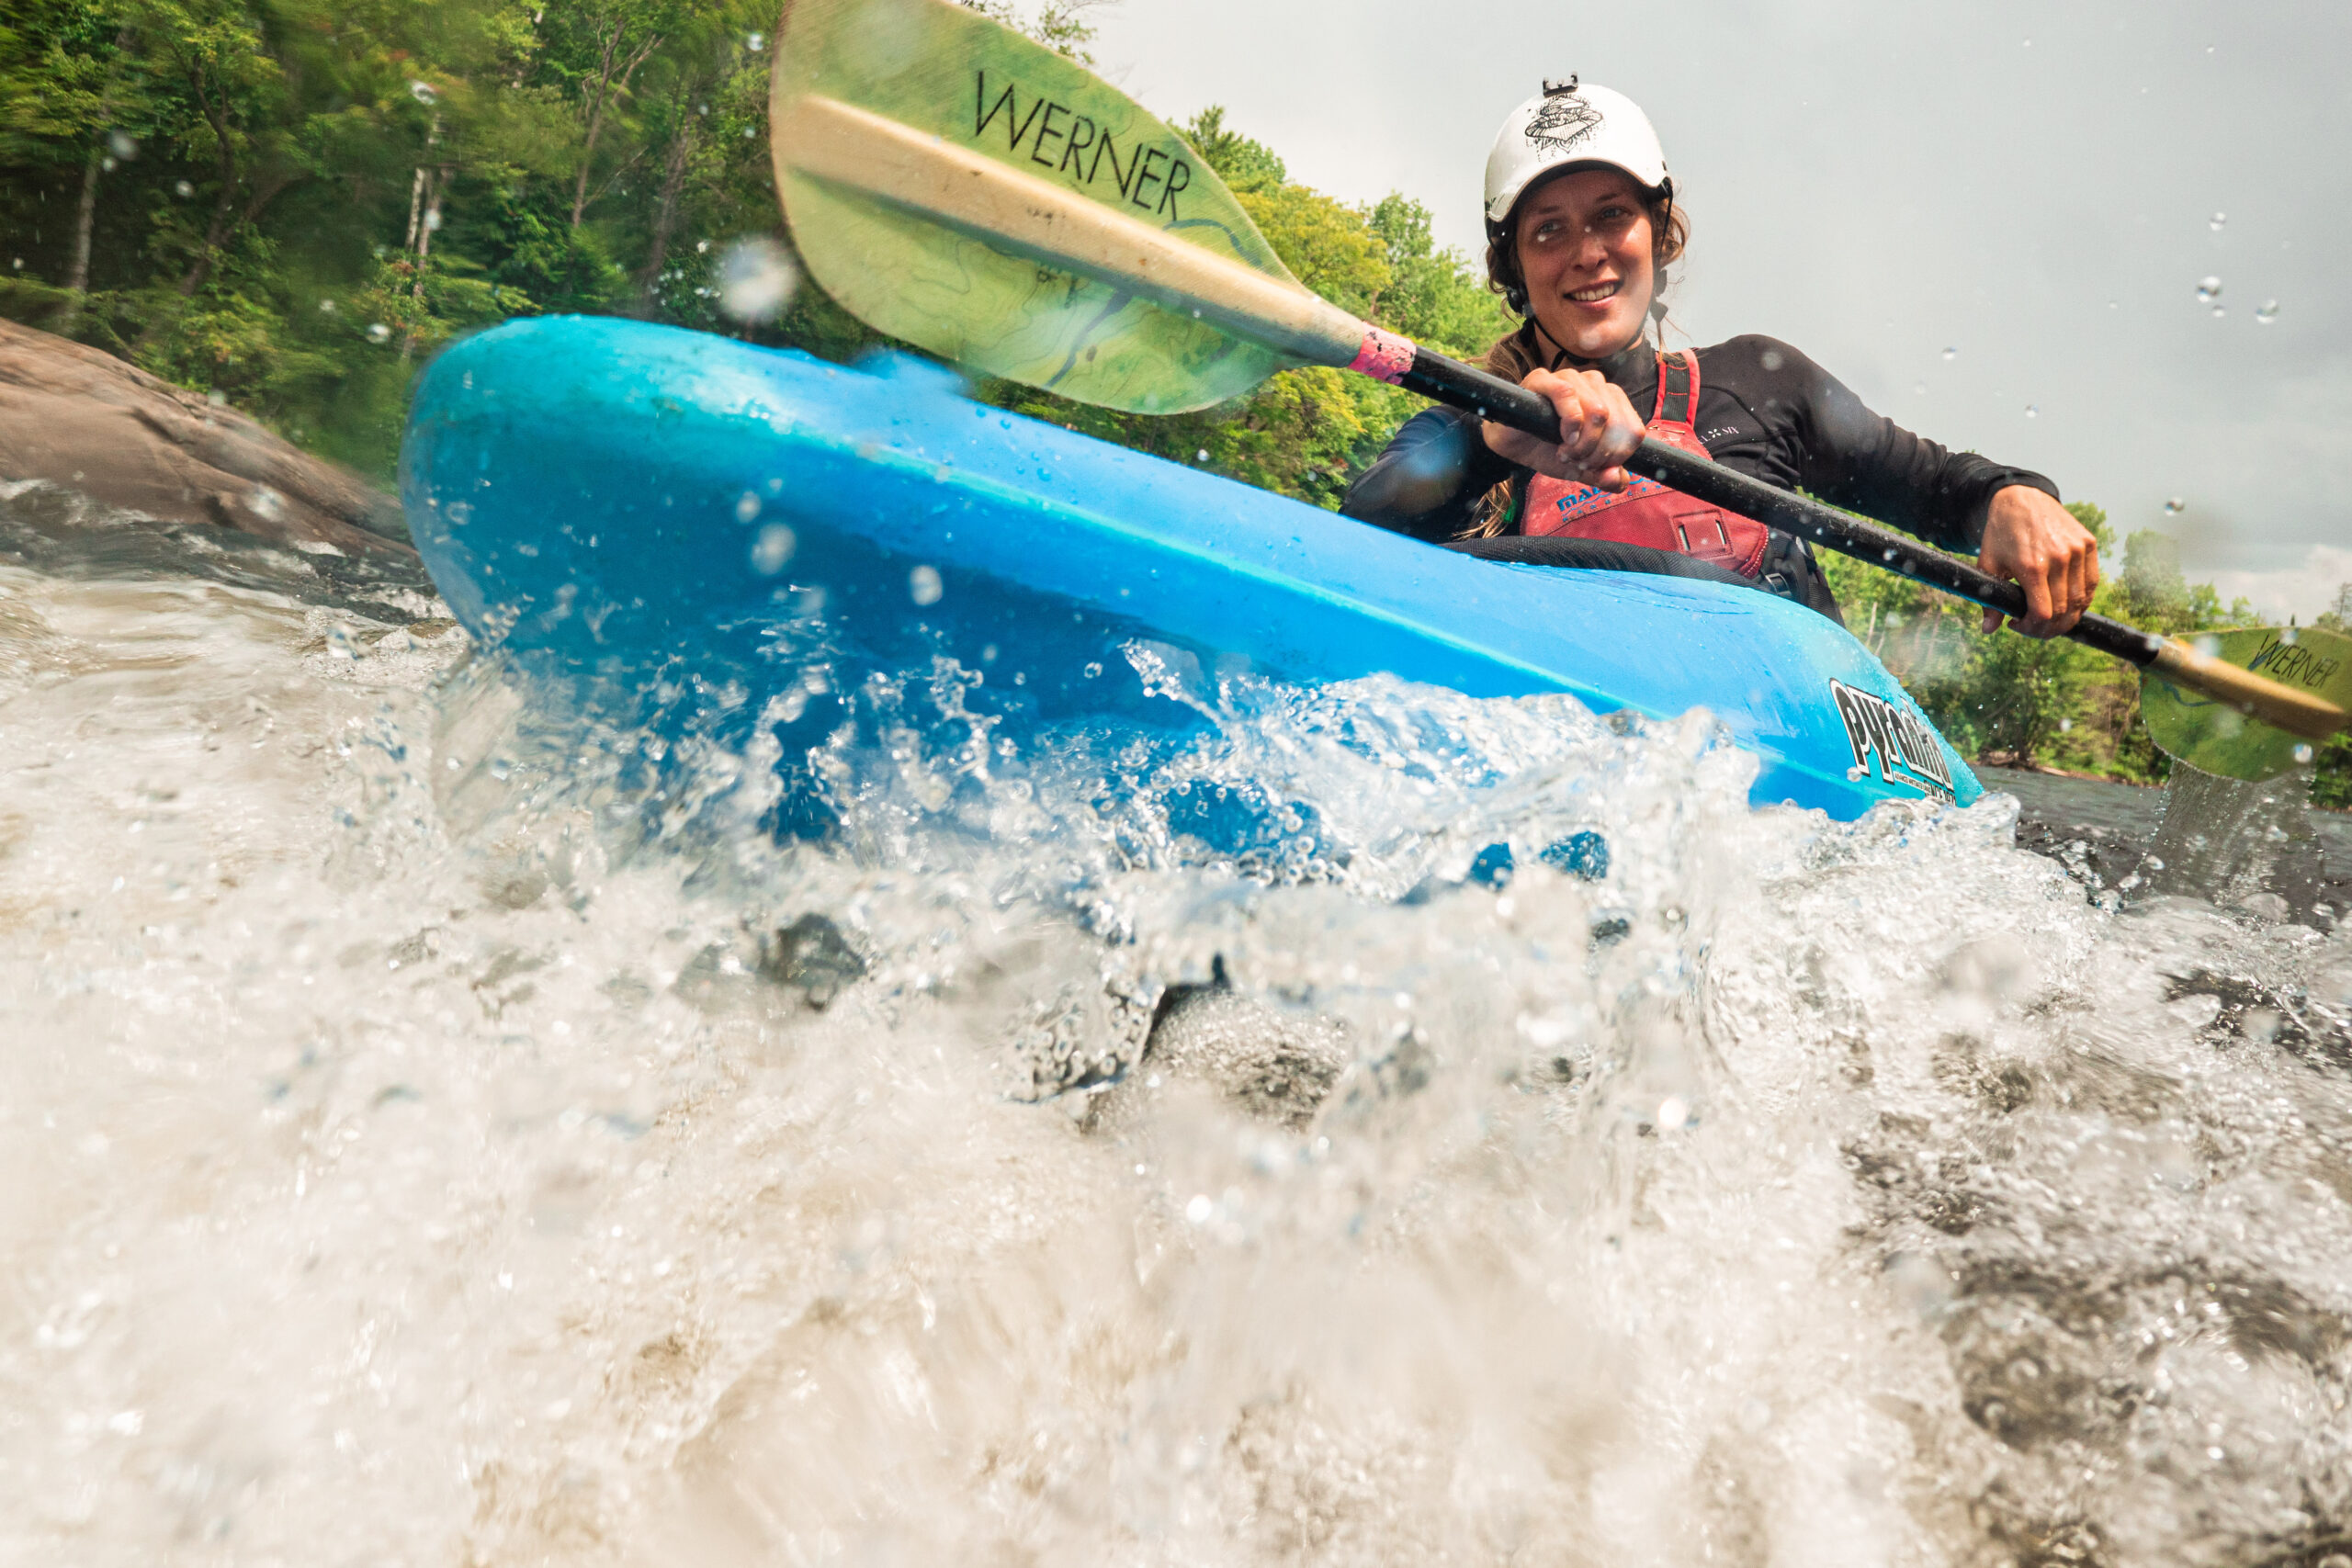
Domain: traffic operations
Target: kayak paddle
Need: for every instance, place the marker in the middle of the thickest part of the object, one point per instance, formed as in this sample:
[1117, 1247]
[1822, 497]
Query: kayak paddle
[2213, 736]
[967, 190]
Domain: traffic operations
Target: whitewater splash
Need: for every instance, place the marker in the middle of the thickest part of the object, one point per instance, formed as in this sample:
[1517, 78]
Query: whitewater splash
[439, 1123]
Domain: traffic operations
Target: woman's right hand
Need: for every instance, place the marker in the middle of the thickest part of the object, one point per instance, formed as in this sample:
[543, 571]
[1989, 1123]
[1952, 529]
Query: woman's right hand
[1599, 430]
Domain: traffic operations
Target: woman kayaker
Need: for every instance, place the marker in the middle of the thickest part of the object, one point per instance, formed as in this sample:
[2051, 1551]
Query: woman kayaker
[1581, 225]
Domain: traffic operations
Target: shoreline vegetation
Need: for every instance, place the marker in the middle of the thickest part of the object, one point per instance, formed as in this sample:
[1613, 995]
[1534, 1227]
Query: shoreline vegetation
[289, 205]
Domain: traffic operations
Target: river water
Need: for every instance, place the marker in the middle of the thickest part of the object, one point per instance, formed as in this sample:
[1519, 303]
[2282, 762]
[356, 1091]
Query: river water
[431, 1132]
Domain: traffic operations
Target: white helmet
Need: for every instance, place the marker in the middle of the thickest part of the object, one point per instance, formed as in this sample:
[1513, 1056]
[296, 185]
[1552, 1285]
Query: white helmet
[1567, 124]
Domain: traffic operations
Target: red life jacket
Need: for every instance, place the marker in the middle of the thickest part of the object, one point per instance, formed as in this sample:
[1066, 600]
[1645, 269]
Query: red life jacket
[1646, 512]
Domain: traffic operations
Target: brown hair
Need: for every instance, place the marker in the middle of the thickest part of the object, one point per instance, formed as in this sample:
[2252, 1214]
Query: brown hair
[1515, 354]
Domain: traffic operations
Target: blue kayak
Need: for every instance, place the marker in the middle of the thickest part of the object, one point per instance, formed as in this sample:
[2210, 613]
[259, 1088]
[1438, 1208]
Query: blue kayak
[610, 495]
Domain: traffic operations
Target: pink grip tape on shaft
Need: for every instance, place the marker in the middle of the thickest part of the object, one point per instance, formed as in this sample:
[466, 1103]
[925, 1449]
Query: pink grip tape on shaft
[1385, 357]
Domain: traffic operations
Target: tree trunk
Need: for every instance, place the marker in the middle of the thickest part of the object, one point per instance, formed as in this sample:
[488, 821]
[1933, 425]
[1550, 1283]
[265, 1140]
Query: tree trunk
[86, 215]
[78, 278]
[608, 85]
[225, 221]
[416, 209]
[665, 213]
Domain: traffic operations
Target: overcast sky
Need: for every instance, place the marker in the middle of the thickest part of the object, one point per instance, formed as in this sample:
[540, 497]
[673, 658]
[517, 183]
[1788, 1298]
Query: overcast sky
[2035, 187]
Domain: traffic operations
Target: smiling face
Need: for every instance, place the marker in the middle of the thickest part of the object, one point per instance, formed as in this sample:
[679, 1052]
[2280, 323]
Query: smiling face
[1584, 248]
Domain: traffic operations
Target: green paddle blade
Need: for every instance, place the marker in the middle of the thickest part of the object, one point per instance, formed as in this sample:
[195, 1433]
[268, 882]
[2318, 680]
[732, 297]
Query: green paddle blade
[953, 76]
[2214, 738]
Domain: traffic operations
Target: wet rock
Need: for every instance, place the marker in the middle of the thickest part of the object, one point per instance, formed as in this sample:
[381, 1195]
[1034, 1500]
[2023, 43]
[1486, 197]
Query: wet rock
[1269, 1066]
[86, 421]
[811, 957]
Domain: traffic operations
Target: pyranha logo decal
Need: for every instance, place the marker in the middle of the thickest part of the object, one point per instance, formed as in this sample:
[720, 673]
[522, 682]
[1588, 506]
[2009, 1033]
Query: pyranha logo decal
[1908, 749]
[1563, 121]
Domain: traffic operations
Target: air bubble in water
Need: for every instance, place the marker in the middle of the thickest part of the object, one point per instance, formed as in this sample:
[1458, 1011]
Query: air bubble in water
[756, 280]
[2267, 312]
[771, 547]
[2174, 507]
[378, 332]
[923, 585]
[2216, 221]
[2207, 290]
[747, 507]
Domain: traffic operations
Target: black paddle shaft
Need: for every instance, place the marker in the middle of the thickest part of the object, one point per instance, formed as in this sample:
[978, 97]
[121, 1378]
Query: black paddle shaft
[1490, 397]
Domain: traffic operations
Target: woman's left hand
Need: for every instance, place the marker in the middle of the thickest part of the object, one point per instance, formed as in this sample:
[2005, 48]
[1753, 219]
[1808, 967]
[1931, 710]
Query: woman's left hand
[2035, 543]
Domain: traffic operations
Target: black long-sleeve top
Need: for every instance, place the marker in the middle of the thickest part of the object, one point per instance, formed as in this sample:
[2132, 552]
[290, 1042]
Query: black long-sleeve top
[1765, 410]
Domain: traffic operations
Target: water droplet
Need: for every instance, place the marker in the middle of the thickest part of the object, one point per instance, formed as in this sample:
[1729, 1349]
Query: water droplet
[2207, 290]
[1093, 669]
[2217, 221]
[378, 332]
[266, 502]
[2302, 754]
[423, 92]
[1201, 456]
[122, 146]
[432, 219]
[107, 164]
[2033, 410]
[2267, 312]
[183, 189]
[756, 280]
[747, 506]
[702, 247]
[2220, 310]
[923, 585]
[1951, 353]
[755, 41]
[1771, 360]
[771, 547]
[1673, 1112]
[327, 307]
[2174, 507]
[1199, 1210]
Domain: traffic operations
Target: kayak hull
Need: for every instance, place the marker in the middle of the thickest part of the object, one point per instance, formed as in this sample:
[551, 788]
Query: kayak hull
[604, 490]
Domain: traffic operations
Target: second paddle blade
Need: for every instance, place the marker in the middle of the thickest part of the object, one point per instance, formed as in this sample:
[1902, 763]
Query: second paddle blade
[953, 77]
[2215, 738]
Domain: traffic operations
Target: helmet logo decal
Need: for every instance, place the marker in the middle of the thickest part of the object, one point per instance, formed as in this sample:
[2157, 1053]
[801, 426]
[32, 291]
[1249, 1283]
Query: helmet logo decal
[1565, 120]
